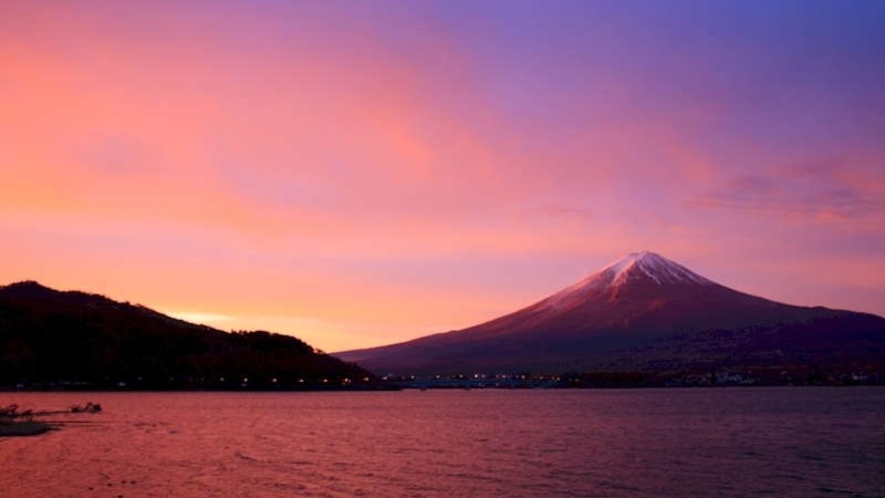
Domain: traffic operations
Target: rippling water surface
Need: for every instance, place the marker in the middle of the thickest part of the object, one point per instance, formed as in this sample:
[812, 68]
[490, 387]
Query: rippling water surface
[785, 442]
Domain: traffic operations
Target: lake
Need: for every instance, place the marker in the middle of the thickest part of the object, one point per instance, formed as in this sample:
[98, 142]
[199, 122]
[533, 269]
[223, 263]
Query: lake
[727, 442]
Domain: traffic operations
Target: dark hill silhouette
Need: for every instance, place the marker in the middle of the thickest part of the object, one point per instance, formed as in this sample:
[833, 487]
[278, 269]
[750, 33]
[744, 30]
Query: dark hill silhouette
[643, 312]
[53, 338]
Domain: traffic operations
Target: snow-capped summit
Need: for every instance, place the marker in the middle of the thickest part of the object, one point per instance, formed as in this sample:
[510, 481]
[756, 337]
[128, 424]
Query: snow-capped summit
[642, 300]
[634, 269]
[654, 266]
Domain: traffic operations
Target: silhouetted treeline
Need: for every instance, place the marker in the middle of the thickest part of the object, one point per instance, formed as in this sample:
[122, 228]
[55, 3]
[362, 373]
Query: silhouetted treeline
[69, 339]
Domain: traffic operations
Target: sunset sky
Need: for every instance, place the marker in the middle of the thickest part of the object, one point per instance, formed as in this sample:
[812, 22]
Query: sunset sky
[358, 173]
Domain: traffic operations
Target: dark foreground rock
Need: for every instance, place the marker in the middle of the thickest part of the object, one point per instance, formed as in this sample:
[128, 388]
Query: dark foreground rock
[27, 428]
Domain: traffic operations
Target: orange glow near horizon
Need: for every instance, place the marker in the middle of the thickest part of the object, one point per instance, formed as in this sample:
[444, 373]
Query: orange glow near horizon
[358, 176]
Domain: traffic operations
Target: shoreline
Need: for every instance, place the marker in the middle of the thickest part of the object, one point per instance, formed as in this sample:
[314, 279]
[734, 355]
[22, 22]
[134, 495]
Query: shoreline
[23, 429]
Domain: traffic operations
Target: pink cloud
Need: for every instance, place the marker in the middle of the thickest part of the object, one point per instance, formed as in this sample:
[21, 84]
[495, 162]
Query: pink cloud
[267, 161]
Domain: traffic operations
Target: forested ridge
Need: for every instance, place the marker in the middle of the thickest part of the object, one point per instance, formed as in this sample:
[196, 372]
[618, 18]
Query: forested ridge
[73, 339]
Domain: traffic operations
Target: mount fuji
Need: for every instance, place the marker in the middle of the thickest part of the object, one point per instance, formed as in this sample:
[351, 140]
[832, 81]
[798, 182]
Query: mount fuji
[642, 312]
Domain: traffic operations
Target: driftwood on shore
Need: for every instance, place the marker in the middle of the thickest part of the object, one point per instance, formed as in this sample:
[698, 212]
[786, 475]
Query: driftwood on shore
[15, 422]
[12, 412]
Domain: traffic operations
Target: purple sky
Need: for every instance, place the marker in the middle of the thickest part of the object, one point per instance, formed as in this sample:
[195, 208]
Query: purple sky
[360, 173]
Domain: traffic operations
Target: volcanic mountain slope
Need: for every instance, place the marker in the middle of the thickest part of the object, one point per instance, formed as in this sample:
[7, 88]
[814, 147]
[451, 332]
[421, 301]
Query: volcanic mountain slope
[641, 312]
[48, 337]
